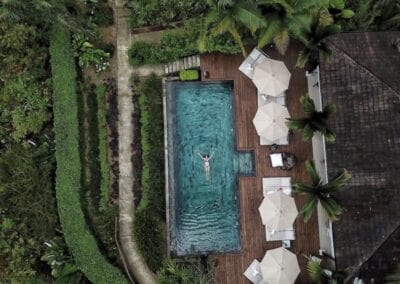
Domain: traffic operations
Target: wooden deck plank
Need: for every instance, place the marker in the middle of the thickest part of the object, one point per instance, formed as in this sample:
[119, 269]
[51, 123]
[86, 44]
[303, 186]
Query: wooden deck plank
[230, 267]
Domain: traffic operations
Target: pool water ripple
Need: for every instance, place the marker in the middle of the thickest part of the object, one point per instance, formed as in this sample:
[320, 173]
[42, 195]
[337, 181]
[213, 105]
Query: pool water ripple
[204, 213]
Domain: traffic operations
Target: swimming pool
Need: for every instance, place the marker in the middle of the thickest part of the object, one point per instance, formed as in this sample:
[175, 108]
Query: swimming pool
[203, 211]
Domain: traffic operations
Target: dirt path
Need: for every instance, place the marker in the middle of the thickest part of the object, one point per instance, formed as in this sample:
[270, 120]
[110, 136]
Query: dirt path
[136, 263]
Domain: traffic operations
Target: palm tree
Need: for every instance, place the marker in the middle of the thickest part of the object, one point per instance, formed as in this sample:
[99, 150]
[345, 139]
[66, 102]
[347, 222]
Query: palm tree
[314, 39]
[284, 18]
[321, 193]
[232, 17]
[320, 275]
[315, 121]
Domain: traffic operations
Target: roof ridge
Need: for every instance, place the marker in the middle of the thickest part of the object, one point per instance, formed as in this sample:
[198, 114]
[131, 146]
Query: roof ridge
[350, 58]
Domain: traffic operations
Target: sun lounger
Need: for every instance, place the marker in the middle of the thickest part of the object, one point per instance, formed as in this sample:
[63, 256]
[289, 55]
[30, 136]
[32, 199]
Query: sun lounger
[253, 272]
[255, 57]
[272, 235]
[273, 184]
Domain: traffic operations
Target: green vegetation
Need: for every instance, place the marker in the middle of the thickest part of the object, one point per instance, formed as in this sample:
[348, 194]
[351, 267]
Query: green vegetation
[149, 217]
[315, 121]
[63, 266]
[189, 75]
[103, 153]
[163, 12]
[318, 275]
[373, 15]
[179, 43]
[68, 174]
[318, 192]
[232, 17]
[25, 91]
[28, 213]
[172, 272]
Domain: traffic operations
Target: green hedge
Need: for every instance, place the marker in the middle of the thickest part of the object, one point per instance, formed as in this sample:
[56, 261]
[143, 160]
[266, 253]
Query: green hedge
[189, 75]
[103, 158]
[152, 142]
[68, 174]
[179, 43]
[151, 212]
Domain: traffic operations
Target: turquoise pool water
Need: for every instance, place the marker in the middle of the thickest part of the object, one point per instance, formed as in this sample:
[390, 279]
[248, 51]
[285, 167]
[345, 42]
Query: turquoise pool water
[204, 214]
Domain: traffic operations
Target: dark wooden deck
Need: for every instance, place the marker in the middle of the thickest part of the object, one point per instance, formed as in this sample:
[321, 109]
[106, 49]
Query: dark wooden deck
[229, 268]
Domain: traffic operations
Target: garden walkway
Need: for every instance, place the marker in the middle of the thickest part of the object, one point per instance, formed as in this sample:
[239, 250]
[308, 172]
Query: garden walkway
[136, 263]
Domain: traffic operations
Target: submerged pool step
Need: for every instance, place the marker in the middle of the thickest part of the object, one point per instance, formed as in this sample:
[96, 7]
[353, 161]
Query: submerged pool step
[184, 63]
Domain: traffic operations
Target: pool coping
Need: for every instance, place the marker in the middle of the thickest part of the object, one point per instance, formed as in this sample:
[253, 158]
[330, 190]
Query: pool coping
[166, 165]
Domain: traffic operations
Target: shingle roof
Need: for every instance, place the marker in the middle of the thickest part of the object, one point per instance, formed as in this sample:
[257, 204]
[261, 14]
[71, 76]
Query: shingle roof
[363, 80]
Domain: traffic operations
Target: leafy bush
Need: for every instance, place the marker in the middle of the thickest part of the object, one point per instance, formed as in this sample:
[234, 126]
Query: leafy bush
[149, 237]
[172, 272]
[103, 158]
[88, 55]
[163, 12]
[179, 43]
[152, 135]
[28, 212]
[77, 236]
[25, 91]
[189, 75]
[101, 14]
[151, 211]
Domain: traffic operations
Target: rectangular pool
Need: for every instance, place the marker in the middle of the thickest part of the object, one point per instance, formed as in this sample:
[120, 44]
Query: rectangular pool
[203, 210]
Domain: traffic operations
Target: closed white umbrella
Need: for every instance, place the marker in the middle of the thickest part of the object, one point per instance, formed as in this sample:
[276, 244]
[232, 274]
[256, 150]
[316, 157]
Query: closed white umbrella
[278, 211]
[269, 121]
[279, 266]
[271, 77]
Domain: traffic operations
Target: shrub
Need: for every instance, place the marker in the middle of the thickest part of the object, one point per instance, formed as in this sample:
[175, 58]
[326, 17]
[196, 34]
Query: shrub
[189, 75]
[179, 43]
[151, 211]
[149, 237]
[77, 236]
[102, 15]
[104, 165]
[142, 53]
[163, 12]
[152, 135]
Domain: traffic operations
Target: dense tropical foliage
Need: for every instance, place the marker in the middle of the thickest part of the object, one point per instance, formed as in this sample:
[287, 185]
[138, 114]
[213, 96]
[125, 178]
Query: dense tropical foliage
[163, 12]
[314, 121]
[318, 192]
[319, 275]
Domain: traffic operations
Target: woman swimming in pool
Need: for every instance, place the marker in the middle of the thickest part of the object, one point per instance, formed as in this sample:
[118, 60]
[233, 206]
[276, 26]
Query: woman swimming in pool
[206, 160]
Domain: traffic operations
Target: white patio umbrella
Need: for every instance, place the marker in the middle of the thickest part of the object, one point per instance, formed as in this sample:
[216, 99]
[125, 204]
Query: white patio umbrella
[269, 121]
[279, 266]
[278, 211]
[271, 77]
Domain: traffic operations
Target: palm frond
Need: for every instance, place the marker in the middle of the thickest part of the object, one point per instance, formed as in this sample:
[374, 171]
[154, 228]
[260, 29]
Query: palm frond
[330, 137]
[309, 207]
[337, 183]
[267, 34]
[202, 41]
[281, 41]
[331, 207]
[308, 104]
[303, 57]
[236, 36]
[295, 123]
[248, 14]
[314, 270]
[308, 133]
[313, 173]
[222, 26]
[301, 188]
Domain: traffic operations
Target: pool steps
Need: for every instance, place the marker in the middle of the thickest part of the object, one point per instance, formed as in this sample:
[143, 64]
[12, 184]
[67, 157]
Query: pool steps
[184, 63]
